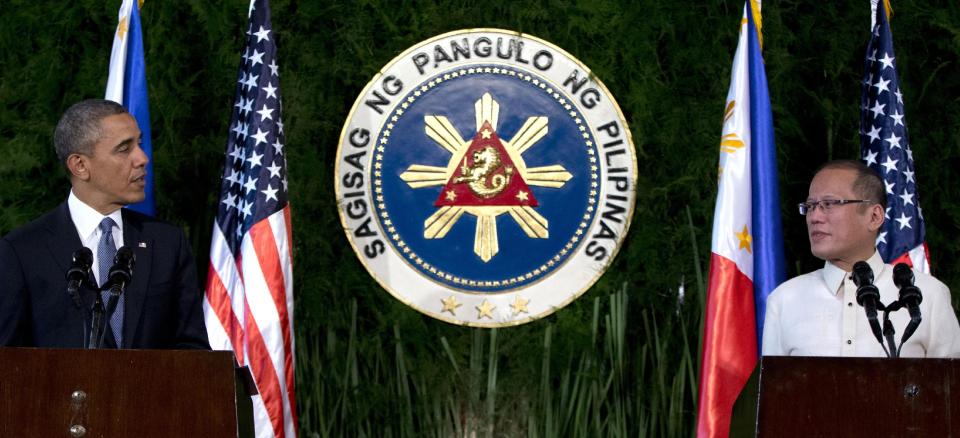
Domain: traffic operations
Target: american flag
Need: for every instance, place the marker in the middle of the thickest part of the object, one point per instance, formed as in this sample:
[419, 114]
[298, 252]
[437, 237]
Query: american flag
[248, 303]
[885, 147]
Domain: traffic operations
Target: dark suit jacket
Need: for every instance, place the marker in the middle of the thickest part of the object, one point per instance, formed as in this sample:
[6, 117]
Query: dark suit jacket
[162, 306]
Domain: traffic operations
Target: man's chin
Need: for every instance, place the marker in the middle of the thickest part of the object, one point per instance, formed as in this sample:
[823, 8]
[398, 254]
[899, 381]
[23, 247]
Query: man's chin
[133, 199]
[820, 252]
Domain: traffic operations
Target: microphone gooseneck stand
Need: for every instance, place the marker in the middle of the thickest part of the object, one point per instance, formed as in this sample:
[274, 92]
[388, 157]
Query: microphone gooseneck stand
[888, 330]
[78, 278]
[910, 297]
[118, 277]
[868, 296]
[96, 324]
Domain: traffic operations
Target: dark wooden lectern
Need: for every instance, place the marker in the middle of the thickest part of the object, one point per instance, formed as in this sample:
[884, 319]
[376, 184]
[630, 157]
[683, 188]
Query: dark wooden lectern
[121, 393]
[849, 397]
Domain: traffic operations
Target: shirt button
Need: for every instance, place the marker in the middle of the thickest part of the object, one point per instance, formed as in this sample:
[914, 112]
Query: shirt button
[849, 342]
[850, 304]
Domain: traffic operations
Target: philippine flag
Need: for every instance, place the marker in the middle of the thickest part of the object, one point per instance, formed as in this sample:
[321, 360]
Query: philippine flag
[746, 261]
[127, 85]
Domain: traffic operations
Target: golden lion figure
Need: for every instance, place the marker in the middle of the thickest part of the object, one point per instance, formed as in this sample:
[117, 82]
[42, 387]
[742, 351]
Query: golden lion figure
[485, 162]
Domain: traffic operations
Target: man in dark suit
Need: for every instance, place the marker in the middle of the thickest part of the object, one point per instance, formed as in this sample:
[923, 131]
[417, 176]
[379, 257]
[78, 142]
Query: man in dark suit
[99, 144]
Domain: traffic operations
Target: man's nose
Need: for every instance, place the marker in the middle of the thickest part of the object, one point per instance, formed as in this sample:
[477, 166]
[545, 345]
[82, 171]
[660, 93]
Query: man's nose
[816, 214]
[140, 158]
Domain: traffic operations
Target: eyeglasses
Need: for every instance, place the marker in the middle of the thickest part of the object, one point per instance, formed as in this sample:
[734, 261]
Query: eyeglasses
[826, 204]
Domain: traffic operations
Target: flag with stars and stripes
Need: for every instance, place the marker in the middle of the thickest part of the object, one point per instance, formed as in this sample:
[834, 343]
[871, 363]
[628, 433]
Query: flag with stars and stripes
[248, 303]
[746, 260]
[127, 85]
[885, 147]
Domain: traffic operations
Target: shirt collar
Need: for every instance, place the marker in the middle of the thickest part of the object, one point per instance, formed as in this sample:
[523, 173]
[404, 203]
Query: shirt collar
[87, 219]
[833, 275]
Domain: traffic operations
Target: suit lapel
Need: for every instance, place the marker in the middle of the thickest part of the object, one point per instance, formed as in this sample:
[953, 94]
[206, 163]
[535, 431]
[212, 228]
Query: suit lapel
[63, 239]
[137, 289]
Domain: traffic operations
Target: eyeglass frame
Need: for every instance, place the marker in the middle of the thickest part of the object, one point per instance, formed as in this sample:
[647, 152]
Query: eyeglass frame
[826, 204]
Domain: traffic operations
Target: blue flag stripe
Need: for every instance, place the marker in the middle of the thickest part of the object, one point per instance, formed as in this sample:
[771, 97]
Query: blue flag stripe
[135, 100]
[768, 262]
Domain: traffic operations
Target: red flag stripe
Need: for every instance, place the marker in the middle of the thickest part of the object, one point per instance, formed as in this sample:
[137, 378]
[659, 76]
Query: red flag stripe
[283, 234]
[262, 305]
[269, 259]
[221, 305]
[904, 258]
[729, 355]
[250, 286]
[265, 375]
[289, 228]
[229, 276]
[921, 251]
[264, 238]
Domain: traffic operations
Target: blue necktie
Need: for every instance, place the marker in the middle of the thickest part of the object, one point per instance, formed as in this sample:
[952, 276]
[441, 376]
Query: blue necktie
[106, 250]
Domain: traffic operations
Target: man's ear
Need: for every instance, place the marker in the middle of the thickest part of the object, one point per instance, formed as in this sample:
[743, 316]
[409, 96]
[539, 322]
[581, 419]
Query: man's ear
[77, 165]
[877, 217]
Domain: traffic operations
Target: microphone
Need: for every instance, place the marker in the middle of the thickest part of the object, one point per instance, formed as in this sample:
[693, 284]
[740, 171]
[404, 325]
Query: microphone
[118, 277]
[79, 273]
[868, 296]
[121, 272]
[910, 296]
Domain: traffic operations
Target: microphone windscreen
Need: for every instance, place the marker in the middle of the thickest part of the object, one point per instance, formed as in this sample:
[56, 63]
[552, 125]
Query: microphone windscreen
[124, 257]
[862, 274]
[83, 257]
[902, 275]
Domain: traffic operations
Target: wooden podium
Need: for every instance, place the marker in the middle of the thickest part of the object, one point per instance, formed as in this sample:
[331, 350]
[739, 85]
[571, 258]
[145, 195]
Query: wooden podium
[849, 397]
[122, 393]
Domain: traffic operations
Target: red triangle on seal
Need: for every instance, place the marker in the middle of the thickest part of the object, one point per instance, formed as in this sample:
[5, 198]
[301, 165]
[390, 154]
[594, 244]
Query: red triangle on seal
[486, 176]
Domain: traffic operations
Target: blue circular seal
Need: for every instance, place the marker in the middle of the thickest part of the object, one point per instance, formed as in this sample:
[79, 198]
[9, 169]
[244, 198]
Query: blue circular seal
[518, 255]
[486, 178]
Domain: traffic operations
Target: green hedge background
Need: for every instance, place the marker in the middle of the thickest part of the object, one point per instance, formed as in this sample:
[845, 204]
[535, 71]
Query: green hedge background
[667, 63]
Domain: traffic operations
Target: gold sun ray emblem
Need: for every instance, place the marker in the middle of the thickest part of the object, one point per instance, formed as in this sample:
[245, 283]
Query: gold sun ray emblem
[730, 142]
[485, 177]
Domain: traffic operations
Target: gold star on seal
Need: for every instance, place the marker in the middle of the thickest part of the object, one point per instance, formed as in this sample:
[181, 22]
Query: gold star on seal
[519, 305]
[485, 310]
[485, 133]
[450, 304]
[523, 196]
[451, 195]
[744, 238]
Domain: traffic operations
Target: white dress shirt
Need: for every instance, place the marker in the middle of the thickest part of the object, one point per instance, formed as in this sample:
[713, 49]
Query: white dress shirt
[87, 220]
[817, 314]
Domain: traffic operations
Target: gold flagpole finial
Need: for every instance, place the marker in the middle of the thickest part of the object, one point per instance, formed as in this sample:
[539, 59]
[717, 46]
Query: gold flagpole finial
[757, 20]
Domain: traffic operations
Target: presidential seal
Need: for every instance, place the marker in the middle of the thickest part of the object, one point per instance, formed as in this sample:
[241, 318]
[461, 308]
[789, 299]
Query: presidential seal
[485, 177]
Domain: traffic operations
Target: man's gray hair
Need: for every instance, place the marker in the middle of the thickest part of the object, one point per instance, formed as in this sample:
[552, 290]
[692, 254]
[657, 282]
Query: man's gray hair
[79, 127]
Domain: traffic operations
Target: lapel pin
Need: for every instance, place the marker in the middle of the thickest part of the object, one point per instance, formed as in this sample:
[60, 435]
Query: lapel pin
[143, 244]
